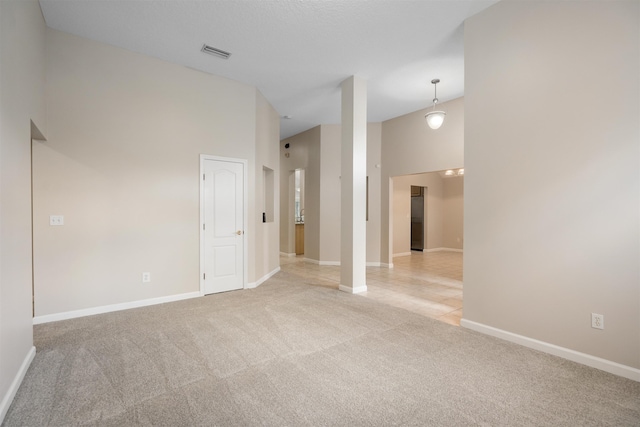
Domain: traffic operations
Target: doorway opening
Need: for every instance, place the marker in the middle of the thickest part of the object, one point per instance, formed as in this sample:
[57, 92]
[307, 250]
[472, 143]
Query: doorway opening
[426, 238]
[298, 210]
[418, 209]
[36, 136]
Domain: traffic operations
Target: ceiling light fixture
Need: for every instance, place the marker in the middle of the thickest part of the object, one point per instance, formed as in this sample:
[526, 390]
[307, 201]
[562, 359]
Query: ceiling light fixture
[215, 52]
[453, 172]
[435, 118]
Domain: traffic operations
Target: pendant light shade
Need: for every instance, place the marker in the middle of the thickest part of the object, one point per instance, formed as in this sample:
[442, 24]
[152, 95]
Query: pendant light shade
[435, 118]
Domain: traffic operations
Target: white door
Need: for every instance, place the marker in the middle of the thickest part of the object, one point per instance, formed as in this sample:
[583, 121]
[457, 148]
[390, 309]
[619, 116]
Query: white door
[223, 225]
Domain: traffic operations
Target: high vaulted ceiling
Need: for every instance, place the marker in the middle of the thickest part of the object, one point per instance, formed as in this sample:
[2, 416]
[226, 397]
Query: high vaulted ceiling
[295, 52]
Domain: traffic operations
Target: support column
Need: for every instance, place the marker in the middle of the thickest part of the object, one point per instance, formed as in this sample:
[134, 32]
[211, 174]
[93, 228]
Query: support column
[353, 225]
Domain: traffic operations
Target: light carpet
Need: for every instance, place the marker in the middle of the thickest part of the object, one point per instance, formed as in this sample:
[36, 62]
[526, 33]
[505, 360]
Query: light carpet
[296, 353]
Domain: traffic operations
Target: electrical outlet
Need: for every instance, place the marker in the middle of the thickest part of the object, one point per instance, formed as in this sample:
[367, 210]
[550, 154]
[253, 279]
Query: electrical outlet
[56, 219]
[146, 277]
[597, 321]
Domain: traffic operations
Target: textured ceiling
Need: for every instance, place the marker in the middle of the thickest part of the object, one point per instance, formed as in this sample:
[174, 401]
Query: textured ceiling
[295, 52]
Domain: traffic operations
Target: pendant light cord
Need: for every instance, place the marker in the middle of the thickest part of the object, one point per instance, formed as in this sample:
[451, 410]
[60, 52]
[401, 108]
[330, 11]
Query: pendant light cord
[435, 95]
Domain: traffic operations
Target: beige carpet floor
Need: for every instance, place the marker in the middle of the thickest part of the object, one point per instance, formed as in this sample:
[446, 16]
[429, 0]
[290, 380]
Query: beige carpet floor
[296, 353]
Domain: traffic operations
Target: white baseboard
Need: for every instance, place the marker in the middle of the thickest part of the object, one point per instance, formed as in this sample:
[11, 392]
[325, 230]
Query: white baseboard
[384, 264]
[260, 281]
[134, 304]
[338, 263]
[565, 353]
[15, 384]
[287, 254]
[402, 254]
[356, 290]
[427, 250]
[443, 250]
[113, 307]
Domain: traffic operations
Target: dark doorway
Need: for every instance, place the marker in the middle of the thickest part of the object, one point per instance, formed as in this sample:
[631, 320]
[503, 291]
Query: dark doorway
[417, 218]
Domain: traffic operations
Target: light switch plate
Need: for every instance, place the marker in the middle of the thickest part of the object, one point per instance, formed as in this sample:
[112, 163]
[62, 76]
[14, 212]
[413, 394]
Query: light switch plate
[56, 220]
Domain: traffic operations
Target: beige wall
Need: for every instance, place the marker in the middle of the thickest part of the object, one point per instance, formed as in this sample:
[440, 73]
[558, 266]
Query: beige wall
[267, 155]
[401, 146]
[331, 140]
[552, 174]
[122, 166]
[22, 89]
[330, 193]
[374, 172]
[401, 216]
[320, 148]
[312, 182]
[409, 146]
[453, 212]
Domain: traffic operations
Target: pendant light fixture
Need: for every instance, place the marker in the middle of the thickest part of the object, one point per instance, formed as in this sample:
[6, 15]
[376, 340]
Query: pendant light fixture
[435, 118]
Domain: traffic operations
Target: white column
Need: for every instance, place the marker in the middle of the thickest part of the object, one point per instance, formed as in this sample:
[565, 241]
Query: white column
[353, 225]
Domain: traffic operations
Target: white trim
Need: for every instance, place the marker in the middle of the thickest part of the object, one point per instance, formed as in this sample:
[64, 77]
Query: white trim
[15, 384]
[338, 263]
[200, 224]
[245, 219]
[245, 208]
[384, 264]
[287, 254]
[443, 250]
[402, 254]
[350, 290]
[565, 353]
[260, 281]
[113, 307]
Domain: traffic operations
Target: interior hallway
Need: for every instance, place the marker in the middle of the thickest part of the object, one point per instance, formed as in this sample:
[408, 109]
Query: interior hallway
[426, 283]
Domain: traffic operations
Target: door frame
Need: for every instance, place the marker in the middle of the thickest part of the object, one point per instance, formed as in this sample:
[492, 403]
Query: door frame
[245, 222]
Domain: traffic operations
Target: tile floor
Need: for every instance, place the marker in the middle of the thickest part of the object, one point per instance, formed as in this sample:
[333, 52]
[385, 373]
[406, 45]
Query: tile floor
[427, 283]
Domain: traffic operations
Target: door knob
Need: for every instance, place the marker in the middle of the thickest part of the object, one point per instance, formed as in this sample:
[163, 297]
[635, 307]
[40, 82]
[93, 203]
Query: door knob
[238, 232]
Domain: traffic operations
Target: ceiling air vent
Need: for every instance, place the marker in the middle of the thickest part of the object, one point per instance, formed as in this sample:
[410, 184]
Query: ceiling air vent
[215, 52]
